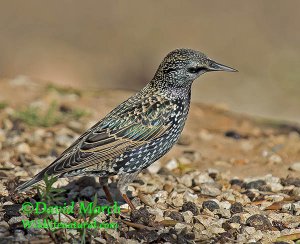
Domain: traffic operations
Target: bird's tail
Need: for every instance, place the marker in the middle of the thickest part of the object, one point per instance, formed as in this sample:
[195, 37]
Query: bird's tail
[30, 183]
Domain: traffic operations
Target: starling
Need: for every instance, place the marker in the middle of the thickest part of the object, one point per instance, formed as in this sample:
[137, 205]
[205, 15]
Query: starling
[140, 130]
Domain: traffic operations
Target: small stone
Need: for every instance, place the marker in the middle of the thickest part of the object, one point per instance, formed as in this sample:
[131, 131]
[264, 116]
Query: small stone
[276, 187]
[64, 140]
[236, 182]
[160, 196]
[20, 80]
[180, 226]
[4, 156]
[2, 135]
[190, 206]
[19, 235]
[178, 200]
[233, 134]
[247, 146]
[225, 205]
[189, 197]
[205, 135]
[75, 126]
[291, 181]
[21, 172]
[184, 140]
[188, 216]
[236, 208]
[210, 205]
[23, 148]
[141, 216]
[88, 191]
[235, 226]
[186, 180]
[259, 222]
[18, 219]
[275, 159]
[172, 164]
[176, 216]
[60, 183]
[296, 191]
[295, 167]
[147, 199]
[155, 167]
[254, 184]
[235, 219]
[222, 164]
[189, 156]
[210, 189]
[168, 188]
[203, 178]
[4, 229]
[158, 213]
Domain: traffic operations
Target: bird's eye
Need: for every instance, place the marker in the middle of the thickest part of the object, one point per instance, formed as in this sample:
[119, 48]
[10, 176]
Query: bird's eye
[195, 70]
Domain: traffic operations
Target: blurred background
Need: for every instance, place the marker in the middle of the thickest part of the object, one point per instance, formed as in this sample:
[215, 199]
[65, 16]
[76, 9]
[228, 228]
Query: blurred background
[119, 44]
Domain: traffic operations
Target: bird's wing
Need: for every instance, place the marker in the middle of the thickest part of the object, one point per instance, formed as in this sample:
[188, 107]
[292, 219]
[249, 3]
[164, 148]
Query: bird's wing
[123, 129]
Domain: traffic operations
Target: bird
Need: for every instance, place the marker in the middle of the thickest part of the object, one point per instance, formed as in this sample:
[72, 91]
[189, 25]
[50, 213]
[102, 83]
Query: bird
[137, 132]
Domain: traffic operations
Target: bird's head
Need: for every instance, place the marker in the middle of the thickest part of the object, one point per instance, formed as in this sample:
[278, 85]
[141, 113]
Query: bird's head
[182, 66]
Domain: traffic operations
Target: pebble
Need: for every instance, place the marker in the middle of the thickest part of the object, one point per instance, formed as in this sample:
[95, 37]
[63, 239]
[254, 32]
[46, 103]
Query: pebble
[191, 207]
[158, 213]
[178, 200]
[184, 140]
[188, 216]
[154, 168]
[210, 205]
[4, 229]
[236, 208]
[233, 134]
[291, 181]
[276, 187]
[296, 191]
[147, 199]
[88, 192]
[189, 197]
[246, 146]
[17, 219]
[254, 184]
[210, 189]
[295, 166]
[236, 182]
[259, 222]
[176, 216]
[141, 216]
[275, 159]
[186, 180]
[203, 178]
[64, 140]
[75, 126]
[172, 164]
[205, 135]
[19, 235]
[4, 156]
[23, 148]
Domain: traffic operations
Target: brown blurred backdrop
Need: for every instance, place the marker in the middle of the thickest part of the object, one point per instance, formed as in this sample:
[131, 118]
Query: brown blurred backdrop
[119, 44]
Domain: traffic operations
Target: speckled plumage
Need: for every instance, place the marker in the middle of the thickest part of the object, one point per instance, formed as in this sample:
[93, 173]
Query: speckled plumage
[138, 131]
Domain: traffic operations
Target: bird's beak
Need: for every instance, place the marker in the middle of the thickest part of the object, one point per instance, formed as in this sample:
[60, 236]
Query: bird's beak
[214, 66]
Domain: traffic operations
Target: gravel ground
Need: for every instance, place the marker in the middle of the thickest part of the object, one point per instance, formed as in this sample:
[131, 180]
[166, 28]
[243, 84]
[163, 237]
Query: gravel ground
[191, 196]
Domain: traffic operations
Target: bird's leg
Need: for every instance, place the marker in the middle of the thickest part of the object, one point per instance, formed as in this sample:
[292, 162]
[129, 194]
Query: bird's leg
[128, 201]
[124, 180]
[107, 194]
[103, 181]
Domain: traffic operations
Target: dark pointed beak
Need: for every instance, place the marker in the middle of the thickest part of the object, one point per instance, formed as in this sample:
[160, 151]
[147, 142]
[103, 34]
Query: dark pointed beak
[214, 66]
